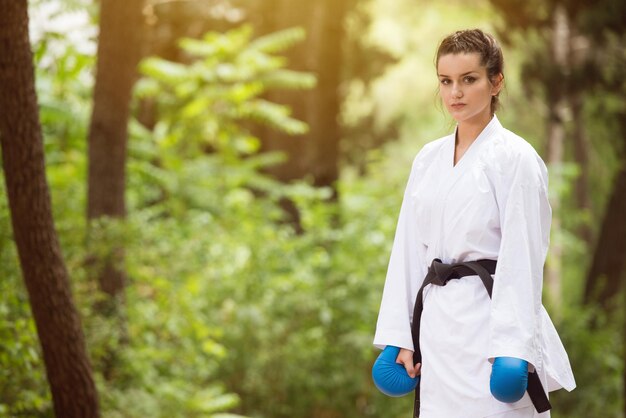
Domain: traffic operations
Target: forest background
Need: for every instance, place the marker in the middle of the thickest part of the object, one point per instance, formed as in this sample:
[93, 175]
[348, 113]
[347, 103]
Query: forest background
[225, 178]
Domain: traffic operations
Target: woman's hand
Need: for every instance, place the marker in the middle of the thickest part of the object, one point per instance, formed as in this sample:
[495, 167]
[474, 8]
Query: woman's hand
[405, 357]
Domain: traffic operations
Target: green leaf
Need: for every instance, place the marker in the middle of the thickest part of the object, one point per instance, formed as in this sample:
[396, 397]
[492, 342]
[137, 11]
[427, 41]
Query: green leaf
[274, 115]
[279, 41]
[163, 70]
[209, 403]
[288, 79]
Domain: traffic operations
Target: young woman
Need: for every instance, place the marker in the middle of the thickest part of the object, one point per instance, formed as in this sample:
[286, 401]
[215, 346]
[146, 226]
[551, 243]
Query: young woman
[479, 194]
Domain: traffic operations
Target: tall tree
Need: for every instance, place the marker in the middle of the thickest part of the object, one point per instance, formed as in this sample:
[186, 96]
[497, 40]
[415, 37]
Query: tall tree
[317, 152]
[607, 271]
[46, 277]
[119, 51]
[603, 23]
[558, 108]
[313, 155]
[365, 62]
[608, 268]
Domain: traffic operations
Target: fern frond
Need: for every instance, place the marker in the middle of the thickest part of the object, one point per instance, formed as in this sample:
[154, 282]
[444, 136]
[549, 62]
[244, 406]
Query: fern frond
[274, 115]
[278, 41]
[163, 70]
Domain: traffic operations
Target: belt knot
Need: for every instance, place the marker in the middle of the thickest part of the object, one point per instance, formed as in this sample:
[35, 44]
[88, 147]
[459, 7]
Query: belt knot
[442, 272]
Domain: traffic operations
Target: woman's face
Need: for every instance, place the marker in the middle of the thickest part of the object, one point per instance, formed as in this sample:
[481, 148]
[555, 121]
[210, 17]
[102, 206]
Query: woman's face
[465, 88]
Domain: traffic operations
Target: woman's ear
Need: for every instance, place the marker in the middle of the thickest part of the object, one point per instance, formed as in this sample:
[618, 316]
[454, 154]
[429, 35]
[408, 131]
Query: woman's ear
[497, 84]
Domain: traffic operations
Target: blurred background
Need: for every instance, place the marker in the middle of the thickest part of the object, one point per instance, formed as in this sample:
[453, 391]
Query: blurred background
[226, 177]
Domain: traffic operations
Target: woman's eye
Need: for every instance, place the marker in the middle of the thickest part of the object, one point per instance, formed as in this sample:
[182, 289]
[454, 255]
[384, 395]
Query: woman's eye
[469, 80]
[444, 81]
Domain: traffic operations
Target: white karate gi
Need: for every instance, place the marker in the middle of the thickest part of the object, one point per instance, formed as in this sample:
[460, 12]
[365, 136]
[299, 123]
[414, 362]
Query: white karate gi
[493, 204]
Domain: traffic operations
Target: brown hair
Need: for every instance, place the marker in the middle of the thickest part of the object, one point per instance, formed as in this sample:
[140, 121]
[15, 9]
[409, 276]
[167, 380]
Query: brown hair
[475, 40]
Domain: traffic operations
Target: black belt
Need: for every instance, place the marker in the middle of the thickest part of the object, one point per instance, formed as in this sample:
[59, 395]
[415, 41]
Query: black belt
[440, 274]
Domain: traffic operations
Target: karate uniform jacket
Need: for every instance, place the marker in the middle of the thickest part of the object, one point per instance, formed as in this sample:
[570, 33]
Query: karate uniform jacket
[492, 204]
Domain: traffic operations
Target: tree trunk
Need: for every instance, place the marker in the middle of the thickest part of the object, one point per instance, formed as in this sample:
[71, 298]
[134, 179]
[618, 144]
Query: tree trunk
[579, 51]
[276, 15]
[328, 35]
[609, 264]
[58, 324]
[119, 50]
[557, 103]
[581, 154]
[608, 267]
[317, 152]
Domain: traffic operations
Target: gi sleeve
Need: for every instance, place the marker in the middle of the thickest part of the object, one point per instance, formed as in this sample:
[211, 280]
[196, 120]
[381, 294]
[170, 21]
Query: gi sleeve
[525, 217]
[405, 274]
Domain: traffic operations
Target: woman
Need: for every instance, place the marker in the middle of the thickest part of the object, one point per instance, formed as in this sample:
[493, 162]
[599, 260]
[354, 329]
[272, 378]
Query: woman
[478, 194]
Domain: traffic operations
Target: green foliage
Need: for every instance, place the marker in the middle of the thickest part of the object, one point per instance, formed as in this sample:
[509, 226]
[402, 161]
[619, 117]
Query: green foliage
[594, 343]
[229, 291]
[189, 182]
[210, 99]
[300, 313]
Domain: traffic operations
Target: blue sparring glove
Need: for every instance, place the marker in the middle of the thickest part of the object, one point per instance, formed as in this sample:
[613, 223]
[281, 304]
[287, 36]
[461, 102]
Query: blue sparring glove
[390, 377]
[509, 379]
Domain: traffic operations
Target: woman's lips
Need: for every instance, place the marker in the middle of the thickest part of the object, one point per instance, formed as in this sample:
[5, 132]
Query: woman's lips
[457, 106]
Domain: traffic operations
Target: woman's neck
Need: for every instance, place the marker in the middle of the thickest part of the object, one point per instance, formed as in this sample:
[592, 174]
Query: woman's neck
[468, 131]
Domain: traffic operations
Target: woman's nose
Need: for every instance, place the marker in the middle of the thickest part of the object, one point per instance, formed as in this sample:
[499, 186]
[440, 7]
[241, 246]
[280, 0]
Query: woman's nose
[457, 92]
